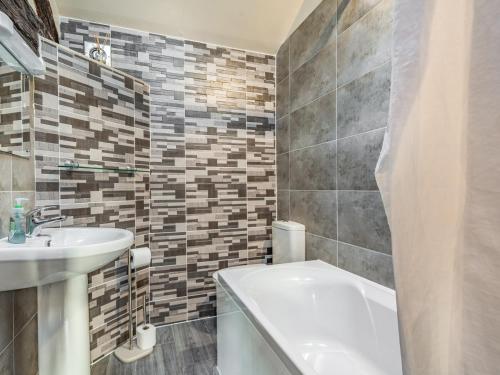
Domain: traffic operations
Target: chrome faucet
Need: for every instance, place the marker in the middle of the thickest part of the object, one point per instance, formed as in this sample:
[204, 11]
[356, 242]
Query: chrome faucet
[34, 220]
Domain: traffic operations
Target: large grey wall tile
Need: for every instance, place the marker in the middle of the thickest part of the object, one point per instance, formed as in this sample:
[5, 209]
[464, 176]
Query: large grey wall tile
[7, 361]
[363, 104]
[283, 61]
[283, 166]
[321, 248]
[283, 135]
[317, 210]
[23, 175]
[283, 204]
[315, 78]
[6, 172]
[352, 10]
[366, 44]
[282, 98]
[316, 32]
[25, 307]
[369, 264]
[356, 160]
[6, 311]
[5, 208]
[314, 168]
[314, 123]
[353, 118]
[362, 221]
[26, 350]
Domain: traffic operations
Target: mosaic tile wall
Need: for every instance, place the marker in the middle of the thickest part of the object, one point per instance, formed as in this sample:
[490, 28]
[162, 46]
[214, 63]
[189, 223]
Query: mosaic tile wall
[18, 309]
[213, 174]
[97, 116]
[14, 111]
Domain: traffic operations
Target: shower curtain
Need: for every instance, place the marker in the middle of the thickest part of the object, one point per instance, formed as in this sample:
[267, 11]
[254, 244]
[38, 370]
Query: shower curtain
[439, 175]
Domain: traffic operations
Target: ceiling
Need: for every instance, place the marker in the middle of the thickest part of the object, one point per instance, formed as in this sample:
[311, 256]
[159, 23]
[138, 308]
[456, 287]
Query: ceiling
[256, 25]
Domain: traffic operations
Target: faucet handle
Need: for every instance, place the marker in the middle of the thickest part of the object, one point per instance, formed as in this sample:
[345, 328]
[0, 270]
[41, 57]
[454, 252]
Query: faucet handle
[37, 211]
[34, 212]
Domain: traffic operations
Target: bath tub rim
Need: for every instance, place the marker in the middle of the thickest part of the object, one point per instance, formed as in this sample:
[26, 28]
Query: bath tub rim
[278, 343]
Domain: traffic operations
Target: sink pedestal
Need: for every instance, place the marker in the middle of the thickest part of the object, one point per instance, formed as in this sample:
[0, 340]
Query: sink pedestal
[63, 328]
[59, 271]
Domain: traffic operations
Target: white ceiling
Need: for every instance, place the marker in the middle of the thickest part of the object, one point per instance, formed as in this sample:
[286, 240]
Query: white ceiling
[256, 25]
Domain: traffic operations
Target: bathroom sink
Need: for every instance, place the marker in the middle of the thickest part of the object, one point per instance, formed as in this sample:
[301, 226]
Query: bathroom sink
[59, 254]
[57, 263]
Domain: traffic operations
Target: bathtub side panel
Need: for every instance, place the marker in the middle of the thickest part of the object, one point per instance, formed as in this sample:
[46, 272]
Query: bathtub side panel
[241, 350]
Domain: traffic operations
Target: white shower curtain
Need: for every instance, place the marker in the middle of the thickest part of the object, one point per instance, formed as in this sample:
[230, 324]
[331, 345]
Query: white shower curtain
[439, 174]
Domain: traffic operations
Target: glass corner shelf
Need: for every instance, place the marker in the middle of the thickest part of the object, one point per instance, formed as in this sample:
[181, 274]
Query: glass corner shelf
[74, 166]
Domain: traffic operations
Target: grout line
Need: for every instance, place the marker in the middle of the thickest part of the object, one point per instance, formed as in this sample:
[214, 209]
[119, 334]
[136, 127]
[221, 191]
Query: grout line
[321, 96]
[323, 237]
[336, 137]
[276, 204]
[362, 17]
[24, 326]
[311, 146]
[336, 35]
[186, 318]
[333, 190]
[365, 248]
[184, 322]
[246, 155]
[316, 54]
[293, 110]
[283, 79]
[376, 67]
[334, 140]
[289, 113]
[11, 342]
[362, 133]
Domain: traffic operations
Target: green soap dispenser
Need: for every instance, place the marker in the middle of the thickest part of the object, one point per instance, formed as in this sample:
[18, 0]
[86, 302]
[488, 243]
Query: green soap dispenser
[17, 233]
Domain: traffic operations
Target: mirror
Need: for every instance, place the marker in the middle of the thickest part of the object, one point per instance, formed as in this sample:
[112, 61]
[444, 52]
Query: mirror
[15, 113]
[18, 63]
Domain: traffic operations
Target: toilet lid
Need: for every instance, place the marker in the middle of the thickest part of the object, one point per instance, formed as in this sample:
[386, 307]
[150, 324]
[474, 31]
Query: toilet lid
[288, 225]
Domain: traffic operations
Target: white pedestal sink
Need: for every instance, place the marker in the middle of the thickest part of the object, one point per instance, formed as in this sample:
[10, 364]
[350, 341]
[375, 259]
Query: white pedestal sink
[58, 265]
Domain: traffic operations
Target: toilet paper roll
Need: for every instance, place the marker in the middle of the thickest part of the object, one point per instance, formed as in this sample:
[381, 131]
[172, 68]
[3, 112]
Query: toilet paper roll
[140, 257]
[146, 336]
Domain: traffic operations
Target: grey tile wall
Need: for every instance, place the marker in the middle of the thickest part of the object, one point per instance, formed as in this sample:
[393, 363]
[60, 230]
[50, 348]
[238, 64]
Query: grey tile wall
[366, 44]
[94, 115]
[368, 263]
[213, 174]
[14, 110]
[330, 133]
[18, 309]
[364, 103]
[313, 168]
[315, 123]
[314, 78]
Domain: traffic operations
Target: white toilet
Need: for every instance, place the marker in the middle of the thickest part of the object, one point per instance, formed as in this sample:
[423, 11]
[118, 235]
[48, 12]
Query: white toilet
[289, 242]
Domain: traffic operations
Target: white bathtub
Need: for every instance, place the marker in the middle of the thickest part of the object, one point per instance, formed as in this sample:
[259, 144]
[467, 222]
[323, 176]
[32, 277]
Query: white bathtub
[306, 318]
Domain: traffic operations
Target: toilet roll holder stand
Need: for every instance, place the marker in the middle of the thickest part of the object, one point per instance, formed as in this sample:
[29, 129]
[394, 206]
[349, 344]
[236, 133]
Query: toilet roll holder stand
[129, 351]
